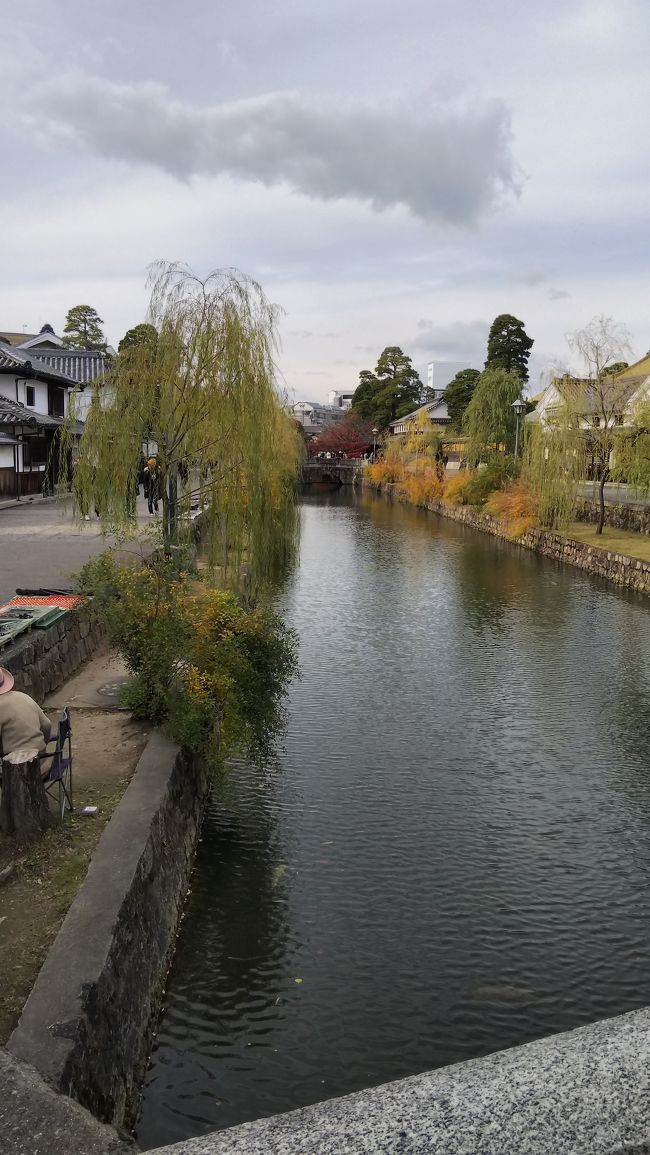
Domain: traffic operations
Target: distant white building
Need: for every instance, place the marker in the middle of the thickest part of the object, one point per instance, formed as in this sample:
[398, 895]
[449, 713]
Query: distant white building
[314, 416]
[440, 373]
[340, 400]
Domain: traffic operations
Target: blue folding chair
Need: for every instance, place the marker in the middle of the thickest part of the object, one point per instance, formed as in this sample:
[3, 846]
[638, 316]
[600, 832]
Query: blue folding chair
[57, 779]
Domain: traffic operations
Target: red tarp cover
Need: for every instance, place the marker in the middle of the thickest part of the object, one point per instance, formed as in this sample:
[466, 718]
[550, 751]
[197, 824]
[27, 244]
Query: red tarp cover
[63, 601]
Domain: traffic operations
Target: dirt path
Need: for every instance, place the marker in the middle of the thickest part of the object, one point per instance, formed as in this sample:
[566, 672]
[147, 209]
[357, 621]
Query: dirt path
[44, 879]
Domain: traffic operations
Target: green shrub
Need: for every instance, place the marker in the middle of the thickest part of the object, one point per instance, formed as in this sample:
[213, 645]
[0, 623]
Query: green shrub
[211, 671]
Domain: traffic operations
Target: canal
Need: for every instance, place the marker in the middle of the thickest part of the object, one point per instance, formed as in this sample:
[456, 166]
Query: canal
[452, 854]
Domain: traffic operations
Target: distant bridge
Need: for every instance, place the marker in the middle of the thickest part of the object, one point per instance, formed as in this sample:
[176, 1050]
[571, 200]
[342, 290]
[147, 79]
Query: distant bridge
[330, 472]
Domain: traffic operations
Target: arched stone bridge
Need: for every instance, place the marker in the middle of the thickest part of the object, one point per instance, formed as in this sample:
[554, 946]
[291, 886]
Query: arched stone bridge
[330, 472]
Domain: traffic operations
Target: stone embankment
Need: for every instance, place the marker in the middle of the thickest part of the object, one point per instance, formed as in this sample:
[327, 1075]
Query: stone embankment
[42, 660]
[634, 518]
[86, 1027]
[629, 572]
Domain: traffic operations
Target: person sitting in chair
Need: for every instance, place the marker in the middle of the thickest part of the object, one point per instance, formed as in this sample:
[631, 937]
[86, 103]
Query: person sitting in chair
[23, 725]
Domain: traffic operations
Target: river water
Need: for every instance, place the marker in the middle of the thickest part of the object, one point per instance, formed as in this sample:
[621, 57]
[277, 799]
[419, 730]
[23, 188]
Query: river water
[453, 853]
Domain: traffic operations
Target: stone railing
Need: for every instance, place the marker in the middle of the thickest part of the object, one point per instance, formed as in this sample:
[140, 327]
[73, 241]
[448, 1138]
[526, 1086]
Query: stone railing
[584, 1092]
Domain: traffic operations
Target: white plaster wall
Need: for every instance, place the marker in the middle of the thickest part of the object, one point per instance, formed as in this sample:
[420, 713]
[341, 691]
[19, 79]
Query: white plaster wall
[8, 384]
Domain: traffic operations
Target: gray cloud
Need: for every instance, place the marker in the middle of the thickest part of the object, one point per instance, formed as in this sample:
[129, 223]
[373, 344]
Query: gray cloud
[529, 277]
[444, 164]
[557, 294]
[460, 340]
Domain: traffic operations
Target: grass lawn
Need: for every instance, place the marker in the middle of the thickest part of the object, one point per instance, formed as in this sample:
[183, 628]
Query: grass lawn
[615, 540]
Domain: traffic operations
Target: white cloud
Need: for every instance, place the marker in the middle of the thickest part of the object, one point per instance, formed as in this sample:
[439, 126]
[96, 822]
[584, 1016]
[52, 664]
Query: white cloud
[445, 164]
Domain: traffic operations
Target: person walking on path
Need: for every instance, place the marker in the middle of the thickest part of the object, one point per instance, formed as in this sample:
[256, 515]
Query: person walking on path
[151, 488]
[23, 725]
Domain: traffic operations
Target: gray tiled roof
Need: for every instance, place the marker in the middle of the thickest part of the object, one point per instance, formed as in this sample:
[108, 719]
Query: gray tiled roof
[13, 360]
[83, 365]
[13, 413]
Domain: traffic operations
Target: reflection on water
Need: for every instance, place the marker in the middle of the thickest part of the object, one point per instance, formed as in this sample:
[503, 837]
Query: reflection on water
[454, 854]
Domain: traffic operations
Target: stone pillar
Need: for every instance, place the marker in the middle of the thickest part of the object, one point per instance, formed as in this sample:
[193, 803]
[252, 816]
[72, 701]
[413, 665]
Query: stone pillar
[24, 811]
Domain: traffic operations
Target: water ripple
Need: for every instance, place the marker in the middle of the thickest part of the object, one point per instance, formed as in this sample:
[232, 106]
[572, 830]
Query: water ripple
[454, 856]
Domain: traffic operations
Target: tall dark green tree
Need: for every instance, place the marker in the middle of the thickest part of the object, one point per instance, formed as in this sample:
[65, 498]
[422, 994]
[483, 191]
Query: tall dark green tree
[458, 394]
[82, 328]
[391, 391]
[509, 346]
[139, 335]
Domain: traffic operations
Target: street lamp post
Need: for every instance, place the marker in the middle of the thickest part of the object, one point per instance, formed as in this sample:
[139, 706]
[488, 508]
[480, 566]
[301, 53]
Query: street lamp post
[519, 406]
[374, 443]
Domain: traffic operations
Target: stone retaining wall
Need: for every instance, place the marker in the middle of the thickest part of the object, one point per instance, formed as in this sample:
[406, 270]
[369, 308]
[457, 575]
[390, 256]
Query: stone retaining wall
[42, 660]
[86, 1026]
[623, 571]
[634, 518]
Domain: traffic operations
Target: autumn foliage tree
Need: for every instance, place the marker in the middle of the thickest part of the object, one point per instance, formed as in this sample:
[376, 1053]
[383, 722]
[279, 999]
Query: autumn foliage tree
[351, 435]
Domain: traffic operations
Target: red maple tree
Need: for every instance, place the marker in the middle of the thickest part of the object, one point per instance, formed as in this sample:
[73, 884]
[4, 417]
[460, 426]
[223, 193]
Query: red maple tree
[351, 436]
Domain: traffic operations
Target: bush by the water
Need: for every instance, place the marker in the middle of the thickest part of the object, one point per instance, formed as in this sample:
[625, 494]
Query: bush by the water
[211, 671]
[420, 479]
[516, 506]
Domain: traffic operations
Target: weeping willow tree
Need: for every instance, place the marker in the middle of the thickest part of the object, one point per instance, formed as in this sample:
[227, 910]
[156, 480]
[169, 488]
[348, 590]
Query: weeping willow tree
[204, 392]
[422, 440]
[554, 462]
[489, 420]
[632, 450]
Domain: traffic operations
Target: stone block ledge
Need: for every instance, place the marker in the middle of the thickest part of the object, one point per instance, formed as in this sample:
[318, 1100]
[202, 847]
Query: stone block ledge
[86, 1026]
[584, 1092]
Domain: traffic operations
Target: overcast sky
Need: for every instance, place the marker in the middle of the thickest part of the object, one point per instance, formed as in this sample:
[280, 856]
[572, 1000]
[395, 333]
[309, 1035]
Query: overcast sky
[392, 172]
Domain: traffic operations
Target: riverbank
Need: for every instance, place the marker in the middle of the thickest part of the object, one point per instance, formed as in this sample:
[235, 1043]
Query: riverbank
[622, 569]
[41, 881]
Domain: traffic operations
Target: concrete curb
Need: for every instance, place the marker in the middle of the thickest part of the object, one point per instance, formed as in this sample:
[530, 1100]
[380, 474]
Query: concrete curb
[86, 1025]
[33, 499]
[34, 1120]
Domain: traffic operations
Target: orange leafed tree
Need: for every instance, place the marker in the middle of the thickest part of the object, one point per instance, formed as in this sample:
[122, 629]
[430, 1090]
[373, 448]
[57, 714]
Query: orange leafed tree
[351, 435]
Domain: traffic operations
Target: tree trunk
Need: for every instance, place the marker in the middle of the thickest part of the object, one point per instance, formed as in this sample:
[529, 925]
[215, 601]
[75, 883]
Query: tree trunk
[170, 509]
[24, 811]
[601, 502]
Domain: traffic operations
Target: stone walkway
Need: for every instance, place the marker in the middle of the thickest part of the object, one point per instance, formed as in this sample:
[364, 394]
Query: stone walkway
[41, 545]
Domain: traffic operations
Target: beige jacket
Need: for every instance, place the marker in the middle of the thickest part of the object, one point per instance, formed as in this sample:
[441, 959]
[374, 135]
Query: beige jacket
[23, 725]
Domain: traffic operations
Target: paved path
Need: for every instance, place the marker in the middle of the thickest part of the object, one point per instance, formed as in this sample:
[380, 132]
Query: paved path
[41, 545]
[617, 494]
